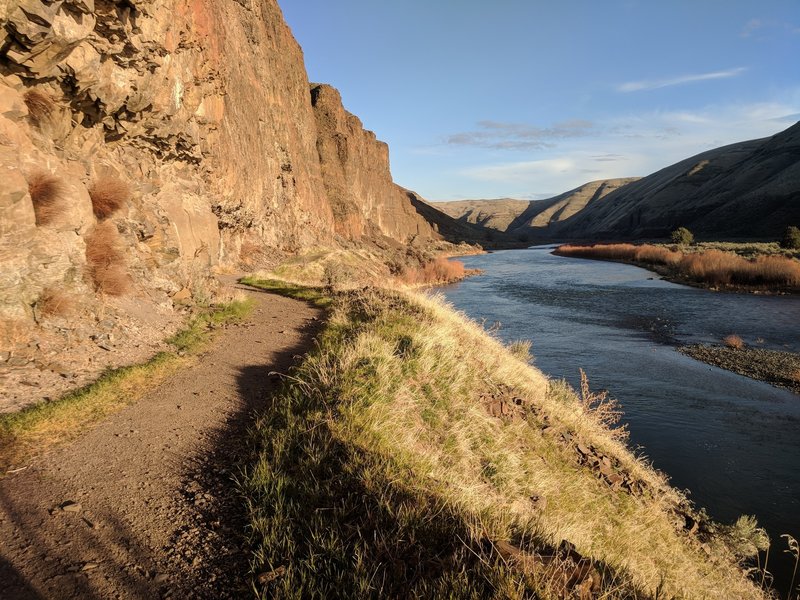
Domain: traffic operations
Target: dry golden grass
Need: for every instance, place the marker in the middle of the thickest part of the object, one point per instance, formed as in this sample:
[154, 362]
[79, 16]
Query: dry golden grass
[55, 302]
[40, 105]
[436, 272]
[48, 197]
[733, 341]
[394, 396]
[712, 267]
[108, 194]
[105, 260]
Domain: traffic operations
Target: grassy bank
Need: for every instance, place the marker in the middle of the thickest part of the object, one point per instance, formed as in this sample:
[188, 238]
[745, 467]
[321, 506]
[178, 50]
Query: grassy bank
[32, 431]
[413, 455]
[709, 268]
[350, 268]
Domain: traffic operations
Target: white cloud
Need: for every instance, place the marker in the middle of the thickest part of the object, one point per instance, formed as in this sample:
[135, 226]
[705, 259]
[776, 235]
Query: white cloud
[654, 84]
[631, 145]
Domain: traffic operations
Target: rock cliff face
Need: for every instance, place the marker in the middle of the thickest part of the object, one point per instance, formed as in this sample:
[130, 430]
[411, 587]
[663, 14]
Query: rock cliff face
[143, 144]
[355, 170]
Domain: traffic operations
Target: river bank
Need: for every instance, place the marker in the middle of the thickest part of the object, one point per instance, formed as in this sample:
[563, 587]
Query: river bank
[711, 268]
[729, 439]
[435, 460]
[781, 369]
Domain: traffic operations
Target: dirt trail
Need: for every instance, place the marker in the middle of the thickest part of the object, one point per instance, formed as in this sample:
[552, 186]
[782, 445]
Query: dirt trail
[143, 505]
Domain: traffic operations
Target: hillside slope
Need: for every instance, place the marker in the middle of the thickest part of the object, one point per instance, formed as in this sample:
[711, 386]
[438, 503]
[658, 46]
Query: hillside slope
[748, 189]
[542, 214]
[529, 218]
[495, 214]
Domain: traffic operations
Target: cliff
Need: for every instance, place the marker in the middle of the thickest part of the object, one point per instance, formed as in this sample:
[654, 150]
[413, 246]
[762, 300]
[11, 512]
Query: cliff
[146, 144]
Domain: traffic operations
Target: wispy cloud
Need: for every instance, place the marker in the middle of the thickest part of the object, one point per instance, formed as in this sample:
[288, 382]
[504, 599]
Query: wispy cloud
[753, 26]
[520, 136]
[624, 146]
[654, 84]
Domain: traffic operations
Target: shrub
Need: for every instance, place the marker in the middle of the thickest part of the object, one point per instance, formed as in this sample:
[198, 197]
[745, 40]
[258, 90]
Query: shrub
[733, 341]
[791, 238]
[108, 195]
[105, 260]
[47, 196]
[682, 236]
[437, 271]
[55, 302]
[714, 267]
[40, 106]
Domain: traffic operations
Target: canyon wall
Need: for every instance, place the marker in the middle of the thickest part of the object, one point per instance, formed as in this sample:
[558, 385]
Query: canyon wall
[144, 145]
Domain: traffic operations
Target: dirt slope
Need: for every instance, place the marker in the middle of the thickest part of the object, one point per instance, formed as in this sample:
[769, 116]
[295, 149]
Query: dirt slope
[133, 509]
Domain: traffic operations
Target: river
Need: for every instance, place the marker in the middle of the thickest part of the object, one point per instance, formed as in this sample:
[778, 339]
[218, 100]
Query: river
[732, 441]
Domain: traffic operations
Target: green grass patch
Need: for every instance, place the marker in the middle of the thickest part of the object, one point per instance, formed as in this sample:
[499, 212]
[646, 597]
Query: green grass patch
[380, 471]
[31, 431]
[318, 296]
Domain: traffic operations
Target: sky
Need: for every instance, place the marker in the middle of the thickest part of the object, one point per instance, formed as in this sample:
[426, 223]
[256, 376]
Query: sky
[528, 99]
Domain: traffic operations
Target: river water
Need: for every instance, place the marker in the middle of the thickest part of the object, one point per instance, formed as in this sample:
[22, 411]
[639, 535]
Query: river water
[732, 441]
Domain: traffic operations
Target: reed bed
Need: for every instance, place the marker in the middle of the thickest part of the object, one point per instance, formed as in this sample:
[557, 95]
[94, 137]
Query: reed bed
[710, 267]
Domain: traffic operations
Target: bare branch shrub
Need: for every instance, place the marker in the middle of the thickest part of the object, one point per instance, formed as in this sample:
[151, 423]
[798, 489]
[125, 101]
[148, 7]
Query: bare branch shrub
[733, 341]
[605, 410]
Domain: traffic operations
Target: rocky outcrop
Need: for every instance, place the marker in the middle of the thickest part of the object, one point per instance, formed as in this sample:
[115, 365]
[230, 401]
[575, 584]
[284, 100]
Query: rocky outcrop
[355, 171]
[202, 111]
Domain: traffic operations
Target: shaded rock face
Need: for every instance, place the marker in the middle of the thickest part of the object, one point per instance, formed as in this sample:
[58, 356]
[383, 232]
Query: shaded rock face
[355, 170]
[203, 111]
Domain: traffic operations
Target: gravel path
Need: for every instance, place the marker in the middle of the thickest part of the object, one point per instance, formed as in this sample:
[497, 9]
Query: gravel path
[143, 506]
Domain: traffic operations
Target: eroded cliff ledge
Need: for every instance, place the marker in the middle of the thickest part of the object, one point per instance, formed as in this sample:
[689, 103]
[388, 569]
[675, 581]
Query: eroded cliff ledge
[198, 123]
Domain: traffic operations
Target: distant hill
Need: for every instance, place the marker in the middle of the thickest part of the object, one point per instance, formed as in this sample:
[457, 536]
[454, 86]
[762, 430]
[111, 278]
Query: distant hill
[490, 214]
[542, 214]
[533, 217]
[745, 190]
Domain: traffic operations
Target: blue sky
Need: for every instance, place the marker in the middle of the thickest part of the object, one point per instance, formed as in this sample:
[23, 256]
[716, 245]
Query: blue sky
[528, 99]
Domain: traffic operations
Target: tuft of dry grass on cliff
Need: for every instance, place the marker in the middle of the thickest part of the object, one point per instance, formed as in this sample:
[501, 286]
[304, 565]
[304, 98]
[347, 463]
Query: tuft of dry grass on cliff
[48, 197]
[384, 470]
[55, 302]
[438, 271]
[40, 106]
[710, 267]
[105, 260]
[108, 194]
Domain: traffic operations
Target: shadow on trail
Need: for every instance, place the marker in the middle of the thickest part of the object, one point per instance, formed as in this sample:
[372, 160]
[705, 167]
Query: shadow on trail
[221, 518]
